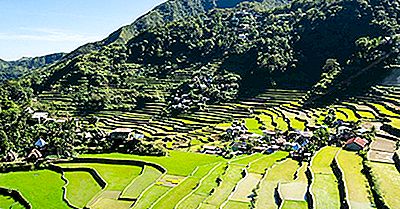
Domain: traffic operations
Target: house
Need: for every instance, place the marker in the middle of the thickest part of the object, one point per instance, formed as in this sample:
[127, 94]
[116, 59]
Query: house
[34, 155]
[138, 136]
[342, 130]
[11, 156]
[356, 144]
[40, 143]
[121, 134]
[40, 116]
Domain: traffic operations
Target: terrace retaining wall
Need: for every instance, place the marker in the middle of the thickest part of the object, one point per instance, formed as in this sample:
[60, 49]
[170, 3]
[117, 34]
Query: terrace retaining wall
[17, 196]
[337, 171]
[396, 159]
[96, 176]
[309, 196]
[378, 199]
[391, 130]
[118, 162]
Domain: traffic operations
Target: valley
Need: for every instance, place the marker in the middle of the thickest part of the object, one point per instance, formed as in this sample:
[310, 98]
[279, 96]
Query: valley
[212, 104]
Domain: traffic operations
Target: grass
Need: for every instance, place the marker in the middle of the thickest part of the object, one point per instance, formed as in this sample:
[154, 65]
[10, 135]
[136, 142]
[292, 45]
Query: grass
[356, 183]
[111, 203]
[148, 176]
[265, 162]
[150, 196]
[177, 193]
[116, 176]
[253, 126]
[81, 188]
[293, 192]
[177, 162]
[366, 114]
[388, 180]
[382, 109]
[229, 181]
[9, 203]
[267, 120]
[293, 204]
[281, 124]
[280, 172]
[245, 187]
[323, 159]
[236, 205]
[246, 159]
[296, 124]
[350, 114]
[41, 188]
[341, 116]
[325, 187]
[207, 185]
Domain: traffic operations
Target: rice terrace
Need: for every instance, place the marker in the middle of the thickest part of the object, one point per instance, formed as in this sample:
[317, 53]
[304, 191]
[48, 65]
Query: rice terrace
[202, 104]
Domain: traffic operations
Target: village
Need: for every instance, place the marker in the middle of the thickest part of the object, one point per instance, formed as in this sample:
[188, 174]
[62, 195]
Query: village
[301, 144]
[236, 140]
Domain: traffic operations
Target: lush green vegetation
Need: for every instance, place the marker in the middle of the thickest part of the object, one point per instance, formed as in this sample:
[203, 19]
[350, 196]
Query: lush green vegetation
[41, 188]
[8, 202]
[148, 176]
[116, 176]
[325, 188]
[206, 186]
[236, 205]
[280, 172]
[15, 69]
[81, 188]
[176, 163]
[388, 180]
[228, 181]
[356, 184]
[292, 204]
[151, 196]
[265, 162]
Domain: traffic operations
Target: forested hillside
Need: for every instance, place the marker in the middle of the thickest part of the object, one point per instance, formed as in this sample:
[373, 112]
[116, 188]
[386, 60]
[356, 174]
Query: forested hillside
[15, 69]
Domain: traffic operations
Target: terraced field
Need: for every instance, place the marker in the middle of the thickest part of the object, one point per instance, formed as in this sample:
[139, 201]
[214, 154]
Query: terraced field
[81, 188]
[204, 181]
[324, 187]
[30, 183]
[279, 172]
[8, 202]
[357, 188]
[388, 182]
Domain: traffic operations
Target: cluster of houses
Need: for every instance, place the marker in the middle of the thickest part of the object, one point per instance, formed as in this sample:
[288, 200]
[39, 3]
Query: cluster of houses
[40, 148]
[35, 153]
[300, 144]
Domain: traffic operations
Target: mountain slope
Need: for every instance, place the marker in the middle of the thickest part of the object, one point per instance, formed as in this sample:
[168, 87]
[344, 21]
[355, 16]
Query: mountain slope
[172, 10]
[15, 69]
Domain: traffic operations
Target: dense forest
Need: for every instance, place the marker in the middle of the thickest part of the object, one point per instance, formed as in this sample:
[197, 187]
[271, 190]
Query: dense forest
[213, 52]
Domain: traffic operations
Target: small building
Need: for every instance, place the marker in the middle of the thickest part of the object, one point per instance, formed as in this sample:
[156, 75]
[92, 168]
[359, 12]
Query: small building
[11, 156]
[138, 136]
[34, 155]
[356, 144]
[40, 116]
[341, 130]
[40, 143]
[121, 134]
